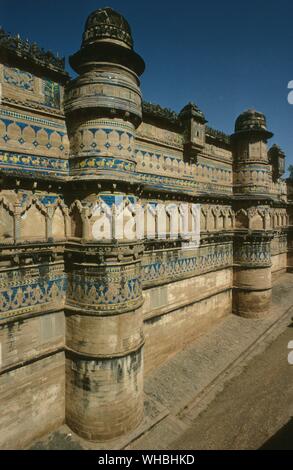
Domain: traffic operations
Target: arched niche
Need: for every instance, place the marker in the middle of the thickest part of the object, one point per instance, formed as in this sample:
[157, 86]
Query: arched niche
[203, 219]
[257, 222]
[150, 221]
[76, 222]
[211, 220]
[129, 223]
[58, 224]
[221, 221]
[241, 221]
[33, 224]
[229, 221]
[6, 222]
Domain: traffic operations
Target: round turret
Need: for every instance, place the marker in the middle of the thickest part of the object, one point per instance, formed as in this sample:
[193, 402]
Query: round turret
[107, 38]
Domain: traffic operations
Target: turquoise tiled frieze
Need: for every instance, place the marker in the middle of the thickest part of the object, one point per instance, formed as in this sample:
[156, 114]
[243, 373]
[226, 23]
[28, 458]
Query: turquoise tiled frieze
[255, 253]
[28, 164]
[19, 78]
[45, 200]
[50, 135]
[41, 122]
[175, 265]
[96, 137]
[12, 162]
[102, 291]
[21, 296]
[26, 133]
[163, 162]
[92, 164]
[106, 288]
[49, 92]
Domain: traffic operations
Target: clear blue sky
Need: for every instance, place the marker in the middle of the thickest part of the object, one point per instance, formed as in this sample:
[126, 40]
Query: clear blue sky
[225, 56]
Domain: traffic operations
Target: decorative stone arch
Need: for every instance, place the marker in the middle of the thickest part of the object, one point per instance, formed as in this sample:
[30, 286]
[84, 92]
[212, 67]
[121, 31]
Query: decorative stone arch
[7, 221]
[100, 221]
[195, 218]
[215, 211]
[163, 221]
[167, 220]
[290, 216]
[272, 218]
[276, 219]
[284, 219]
[181, 167]
[230, 219]
[147, 161]
[267, 219]
[203, 218]
[168, 164]
[193, 169]
[124, 223]
[256, 219]
[211, 219]
[221, 219]
[172, 211]
[59, 221]
[139, 159]
[150, 221]
[191, 219]
[241, 219]
[77, 220]
[175, 165]
[33, 221]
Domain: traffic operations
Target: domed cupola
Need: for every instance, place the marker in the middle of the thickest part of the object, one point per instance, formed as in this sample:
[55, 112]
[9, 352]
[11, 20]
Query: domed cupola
[252, 121]
[105, 24]
[107, 38]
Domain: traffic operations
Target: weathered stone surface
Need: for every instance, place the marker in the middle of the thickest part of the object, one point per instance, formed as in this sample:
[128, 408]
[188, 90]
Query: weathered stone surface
[76, 155]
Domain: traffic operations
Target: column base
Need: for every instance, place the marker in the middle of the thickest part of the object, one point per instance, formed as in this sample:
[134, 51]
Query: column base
[104, 397]
[252, 303]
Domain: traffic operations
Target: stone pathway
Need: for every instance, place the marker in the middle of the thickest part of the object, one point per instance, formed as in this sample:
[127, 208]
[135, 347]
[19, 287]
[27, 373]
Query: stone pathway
[250, 410]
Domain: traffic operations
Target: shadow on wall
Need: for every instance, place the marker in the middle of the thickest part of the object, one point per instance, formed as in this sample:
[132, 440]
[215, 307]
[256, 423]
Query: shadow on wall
[282, 440]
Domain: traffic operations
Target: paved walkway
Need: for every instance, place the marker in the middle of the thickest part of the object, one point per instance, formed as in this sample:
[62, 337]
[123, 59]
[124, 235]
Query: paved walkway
[190, 381]
[248, 412]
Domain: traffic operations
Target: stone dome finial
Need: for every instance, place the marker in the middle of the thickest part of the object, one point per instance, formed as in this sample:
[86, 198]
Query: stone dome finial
[105, 24]
[250, 120]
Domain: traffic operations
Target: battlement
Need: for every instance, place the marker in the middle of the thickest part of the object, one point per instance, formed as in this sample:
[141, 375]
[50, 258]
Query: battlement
[14, 48]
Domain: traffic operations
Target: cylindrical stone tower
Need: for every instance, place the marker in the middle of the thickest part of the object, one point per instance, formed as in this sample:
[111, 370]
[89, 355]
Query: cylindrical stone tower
[104, 334]
[252, 181]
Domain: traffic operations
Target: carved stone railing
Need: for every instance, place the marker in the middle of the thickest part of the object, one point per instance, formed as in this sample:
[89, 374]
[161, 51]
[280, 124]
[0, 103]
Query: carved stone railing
[175, 167]
[218, 135]
[171, 117]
